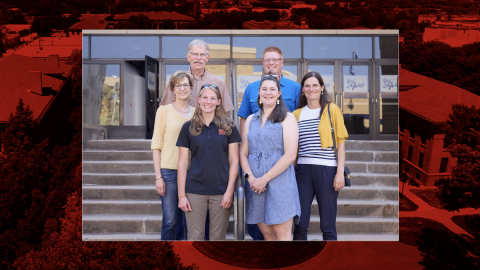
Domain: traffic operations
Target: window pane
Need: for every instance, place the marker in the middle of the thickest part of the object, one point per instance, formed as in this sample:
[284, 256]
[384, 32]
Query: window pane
[177, 47]
[409, 155]
[443, 165]
[125, 47]
[85, 46]
[420, 160]
[252, 47]
[338, 47]
[101, 94]
[386, 47]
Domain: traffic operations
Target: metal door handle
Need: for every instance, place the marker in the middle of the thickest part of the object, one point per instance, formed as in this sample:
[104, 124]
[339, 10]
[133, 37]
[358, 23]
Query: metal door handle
[336, 98]
[341, 101]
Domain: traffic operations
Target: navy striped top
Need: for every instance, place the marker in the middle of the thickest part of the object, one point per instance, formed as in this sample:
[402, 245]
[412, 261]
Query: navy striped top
[310, 148]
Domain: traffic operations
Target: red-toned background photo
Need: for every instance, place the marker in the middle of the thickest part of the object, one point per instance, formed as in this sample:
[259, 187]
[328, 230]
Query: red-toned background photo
[41, 133]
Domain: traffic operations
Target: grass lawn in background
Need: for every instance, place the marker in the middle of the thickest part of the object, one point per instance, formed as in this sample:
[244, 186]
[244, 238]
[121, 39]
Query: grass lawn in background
[429, 195]
[406, 204]
[410, 229]
[262, 255]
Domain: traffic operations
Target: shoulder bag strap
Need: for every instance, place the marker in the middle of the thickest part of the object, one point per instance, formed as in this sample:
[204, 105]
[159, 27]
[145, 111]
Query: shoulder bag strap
[333, 133]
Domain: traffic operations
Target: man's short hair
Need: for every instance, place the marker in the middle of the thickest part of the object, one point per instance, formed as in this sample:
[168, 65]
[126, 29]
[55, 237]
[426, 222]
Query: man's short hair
[200, 43]
[272, 49]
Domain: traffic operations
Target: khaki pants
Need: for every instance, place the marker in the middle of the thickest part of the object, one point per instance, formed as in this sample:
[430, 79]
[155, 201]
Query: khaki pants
[219, 217]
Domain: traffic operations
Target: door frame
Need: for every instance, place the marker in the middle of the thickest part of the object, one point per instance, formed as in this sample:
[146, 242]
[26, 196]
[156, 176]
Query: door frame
[377, 63]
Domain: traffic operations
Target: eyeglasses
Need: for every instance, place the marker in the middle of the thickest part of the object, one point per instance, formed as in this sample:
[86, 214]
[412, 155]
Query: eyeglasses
[195, 55]
[209, 85]
[275, 60]
[179, 86]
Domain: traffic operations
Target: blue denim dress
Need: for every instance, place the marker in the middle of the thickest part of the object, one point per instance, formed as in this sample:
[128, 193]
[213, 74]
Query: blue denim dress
[280, 202]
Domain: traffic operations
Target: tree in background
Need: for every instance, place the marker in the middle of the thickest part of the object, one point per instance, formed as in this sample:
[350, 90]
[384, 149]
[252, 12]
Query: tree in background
[462, 140]
[66, 250]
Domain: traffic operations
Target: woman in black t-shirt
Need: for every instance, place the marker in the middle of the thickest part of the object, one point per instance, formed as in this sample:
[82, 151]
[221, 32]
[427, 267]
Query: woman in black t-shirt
[212, 140]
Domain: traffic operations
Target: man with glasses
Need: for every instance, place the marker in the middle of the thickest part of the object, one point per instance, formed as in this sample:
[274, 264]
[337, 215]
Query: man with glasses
[272, 65]
[198, 56]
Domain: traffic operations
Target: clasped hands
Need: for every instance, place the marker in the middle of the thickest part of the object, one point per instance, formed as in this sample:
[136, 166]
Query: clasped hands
[257, 185]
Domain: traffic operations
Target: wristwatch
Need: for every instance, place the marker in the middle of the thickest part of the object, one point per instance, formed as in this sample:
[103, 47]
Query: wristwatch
[247, 175]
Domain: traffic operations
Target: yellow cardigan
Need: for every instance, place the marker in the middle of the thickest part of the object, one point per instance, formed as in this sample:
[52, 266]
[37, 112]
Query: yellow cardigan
[324, 128]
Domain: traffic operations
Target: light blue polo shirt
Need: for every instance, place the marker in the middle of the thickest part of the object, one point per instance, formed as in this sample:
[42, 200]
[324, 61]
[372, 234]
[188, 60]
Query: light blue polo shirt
[290, 94]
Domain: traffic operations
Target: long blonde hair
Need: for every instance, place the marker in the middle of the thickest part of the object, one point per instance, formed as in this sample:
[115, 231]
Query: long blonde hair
[221, 119]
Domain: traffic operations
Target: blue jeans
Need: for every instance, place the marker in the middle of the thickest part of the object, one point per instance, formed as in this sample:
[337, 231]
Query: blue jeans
[171, 212]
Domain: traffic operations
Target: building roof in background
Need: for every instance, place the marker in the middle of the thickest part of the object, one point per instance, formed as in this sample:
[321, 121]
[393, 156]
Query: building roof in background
[432, 99]
[17, 27]
[15, 83]
[270, 25]
[157, 16]
[92, 22]
[63, 46]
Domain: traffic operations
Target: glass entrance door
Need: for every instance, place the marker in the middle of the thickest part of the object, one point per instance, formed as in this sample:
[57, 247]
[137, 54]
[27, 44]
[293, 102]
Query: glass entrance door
[151, 93]
[356, 99]
[387, 106]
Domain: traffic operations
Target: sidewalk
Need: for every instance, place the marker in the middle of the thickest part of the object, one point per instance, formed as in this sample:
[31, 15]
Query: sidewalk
[440, 215]
[336, 255]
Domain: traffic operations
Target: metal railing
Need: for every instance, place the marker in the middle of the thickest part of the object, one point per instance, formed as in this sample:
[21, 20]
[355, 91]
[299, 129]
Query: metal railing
[239, 209]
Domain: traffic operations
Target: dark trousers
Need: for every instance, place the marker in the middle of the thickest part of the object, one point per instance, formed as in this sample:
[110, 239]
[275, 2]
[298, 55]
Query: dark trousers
[316, 180]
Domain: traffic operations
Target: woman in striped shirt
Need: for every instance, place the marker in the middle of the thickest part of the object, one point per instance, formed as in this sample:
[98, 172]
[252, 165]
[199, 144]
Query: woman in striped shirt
[317, 172]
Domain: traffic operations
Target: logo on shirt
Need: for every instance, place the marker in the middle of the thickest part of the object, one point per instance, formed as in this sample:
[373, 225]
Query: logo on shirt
[221, 132]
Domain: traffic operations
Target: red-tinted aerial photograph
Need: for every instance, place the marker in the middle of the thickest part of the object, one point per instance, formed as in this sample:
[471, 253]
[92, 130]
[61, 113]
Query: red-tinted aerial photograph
[354, 139]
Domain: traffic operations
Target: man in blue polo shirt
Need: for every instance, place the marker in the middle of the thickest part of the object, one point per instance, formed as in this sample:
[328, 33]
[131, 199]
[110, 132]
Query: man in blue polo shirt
[272, 64]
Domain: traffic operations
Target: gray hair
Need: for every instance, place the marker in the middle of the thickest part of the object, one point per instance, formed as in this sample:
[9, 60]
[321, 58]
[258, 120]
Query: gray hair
[179, 75]
[198, 42]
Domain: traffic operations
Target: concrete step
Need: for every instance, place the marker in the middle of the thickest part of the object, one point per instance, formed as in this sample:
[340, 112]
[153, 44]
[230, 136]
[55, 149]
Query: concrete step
[358, 225]
[118, 166]
[149, 193]
[356, 237]
[371, 156]
[373, 167]
[145, 166]
[230, 237]
[141, 224]
[119, 155]
[142, 144]
[372, 145]
[127, 224]
[116, 179]
[365, 208]
[359, 179]
[119, 145]
[110, 155]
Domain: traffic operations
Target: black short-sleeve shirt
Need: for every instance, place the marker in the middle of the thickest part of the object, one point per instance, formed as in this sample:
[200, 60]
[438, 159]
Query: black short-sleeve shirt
[209, 167]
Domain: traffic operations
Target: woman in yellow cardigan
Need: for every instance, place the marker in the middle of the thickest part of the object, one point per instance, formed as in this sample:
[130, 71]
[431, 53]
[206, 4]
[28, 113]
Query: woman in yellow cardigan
[317, 171]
